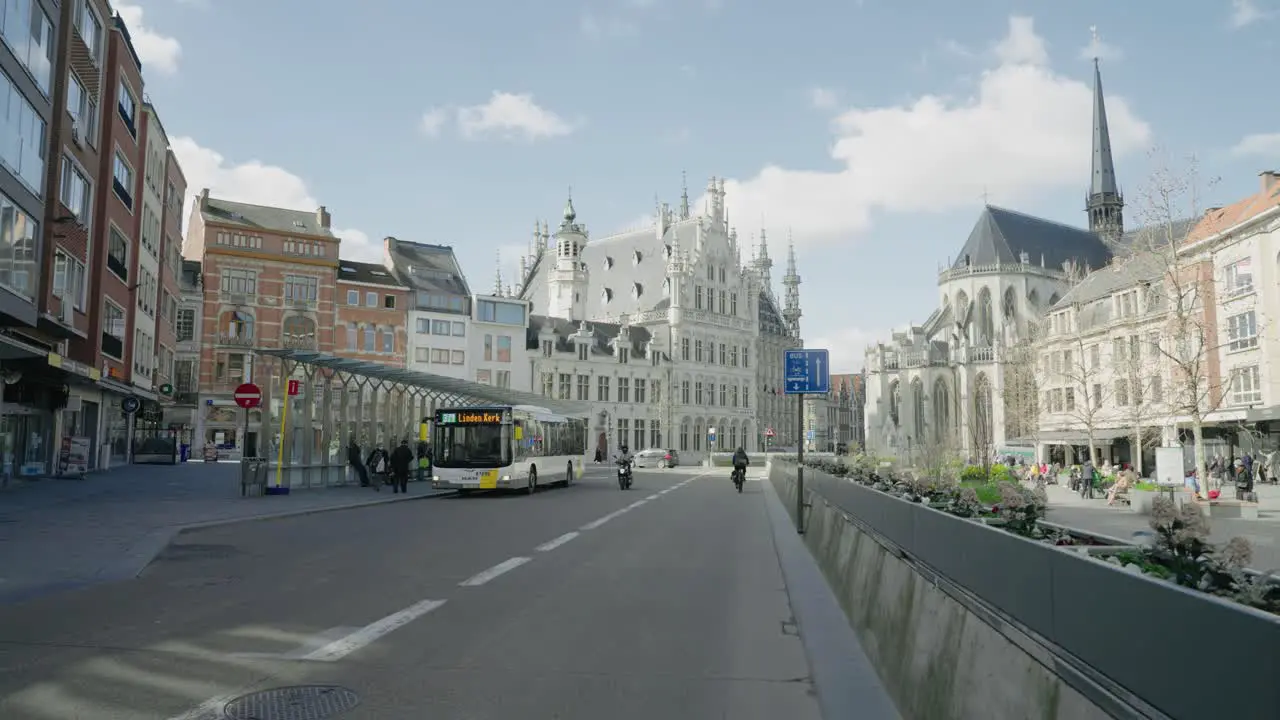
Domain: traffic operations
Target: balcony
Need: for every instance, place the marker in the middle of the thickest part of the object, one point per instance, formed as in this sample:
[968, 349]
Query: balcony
[301, 303]
[299, 343]
[239, 341]
[112, 346]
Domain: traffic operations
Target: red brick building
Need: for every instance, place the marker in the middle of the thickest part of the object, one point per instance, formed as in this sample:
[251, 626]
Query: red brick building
[269, 279]
[372, 309]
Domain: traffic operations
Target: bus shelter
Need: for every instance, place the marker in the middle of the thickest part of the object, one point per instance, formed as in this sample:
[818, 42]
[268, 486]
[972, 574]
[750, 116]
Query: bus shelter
[341, 399]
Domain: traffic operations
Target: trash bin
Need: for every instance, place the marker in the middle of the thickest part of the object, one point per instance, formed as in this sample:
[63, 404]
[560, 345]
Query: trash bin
[253, 474]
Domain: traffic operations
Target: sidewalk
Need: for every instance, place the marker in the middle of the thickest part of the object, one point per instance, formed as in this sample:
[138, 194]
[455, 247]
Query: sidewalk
[61, 534]
[1068, 508]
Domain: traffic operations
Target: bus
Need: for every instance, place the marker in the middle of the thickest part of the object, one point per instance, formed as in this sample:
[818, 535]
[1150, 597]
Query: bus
[505, 447]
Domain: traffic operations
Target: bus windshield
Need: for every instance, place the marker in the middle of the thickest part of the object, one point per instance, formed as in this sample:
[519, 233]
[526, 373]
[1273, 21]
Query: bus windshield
[472, 446]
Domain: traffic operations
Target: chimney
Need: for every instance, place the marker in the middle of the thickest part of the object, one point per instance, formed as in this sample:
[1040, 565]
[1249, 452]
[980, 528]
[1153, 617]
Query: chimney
[1270, 179]
[204, 200]
[322, 217]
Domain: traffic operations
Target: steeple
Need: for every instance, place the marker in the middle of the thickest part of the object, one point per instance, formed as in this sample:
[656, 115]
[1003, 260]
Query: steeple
[684, 196]
[1104, 204]
[497, 274]
[791, 283]
[764, 265]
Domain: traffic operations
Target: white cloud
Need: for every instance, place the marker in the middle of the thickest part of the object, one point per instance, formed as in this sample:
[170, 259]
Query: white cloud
[1258, 144]
[823, 98]
[954, 47]
[511, 116]
[1245, 12]
[261, 184]
[154, 50]
[1097, 49]
[433, 121]
[848, 347]
[1024, 130]
[598, 27]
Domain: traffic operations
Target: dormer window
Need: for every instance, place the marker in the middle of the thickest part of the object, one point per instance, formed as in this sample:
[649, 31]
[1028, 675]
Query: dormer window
[623, 354]
[637, 258]
[637, 290]
[583, 350]
[666, 252]
[606, 295]
[547, 347]
[608, 263]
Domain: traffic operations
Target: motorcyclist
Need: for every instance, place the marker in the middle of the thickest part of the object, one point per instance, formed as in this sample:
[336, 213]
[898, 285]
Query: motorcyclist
[740, 462]
[624, 458]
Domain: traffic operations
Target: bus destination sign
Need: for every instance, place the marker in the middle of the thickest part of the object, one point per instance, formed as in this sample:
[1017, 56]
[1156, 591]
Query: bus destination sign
[471, 418]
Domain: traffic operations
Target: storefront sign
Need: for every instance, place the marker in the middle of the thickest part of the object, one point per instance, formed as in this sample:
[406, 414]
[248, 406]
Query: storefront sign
[73, 459]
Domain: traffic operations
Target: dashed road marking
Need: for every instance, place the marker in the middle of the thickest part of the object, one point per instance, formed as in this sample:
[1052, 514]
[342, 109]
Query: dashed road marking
[553, 544]
[501, 568]
[343, 647]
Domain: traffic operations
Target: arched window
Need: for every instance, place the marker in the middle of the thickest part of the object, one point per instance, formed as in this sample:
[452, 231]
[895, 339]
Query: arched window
[239, 324]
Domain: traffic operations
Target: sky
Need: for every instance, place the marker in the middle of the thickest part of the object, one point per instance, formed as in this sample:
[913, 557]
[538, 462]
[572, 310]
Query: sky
[869, 131]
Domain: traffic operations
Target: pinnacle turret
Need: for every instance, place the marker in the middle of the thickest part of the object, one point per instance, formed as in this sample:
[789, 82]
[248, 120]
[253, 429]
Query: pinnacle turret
[684, 196]
[791, 284]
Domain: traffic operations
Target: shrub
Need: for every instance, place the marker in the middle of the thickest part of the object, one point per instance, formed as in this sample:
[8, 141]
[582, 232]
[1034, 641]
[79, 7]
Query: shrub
[973, 474]
[1001, 473]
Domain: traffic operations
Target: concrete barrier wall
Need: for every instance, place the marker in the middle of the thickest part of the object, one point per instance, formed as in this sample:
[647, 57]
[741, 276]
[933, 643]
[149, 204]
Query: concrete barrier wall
[1100, 641]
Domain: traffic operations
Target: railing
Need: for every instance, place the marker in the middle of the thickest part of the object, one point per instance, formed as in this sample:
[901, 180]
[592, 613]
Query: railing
[235, 340]
[302, 303]
[299, 343]
[112, 346]
[235, 298]
[999, 269]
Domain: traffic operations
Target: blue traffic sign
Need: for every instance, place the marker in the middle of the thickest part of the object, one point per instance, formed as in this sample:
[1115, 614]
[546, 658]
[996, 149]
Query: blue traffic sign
[807, 372]
[130, 404]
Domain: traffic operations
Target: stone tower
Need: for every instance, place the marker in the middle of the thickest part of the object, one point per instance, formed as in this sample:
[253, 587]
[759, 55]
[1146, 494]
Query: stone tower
[567, 283]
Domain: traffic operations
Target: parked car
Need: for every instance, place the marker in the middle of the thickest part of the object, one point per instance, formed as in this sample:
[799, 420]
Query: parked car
[657, 457]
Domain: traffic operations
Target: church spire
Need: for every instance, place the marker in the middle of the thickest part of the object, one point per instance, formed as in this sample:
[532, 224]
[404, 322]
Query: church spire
[764, 265]
[1105, 203]
[791, 282]
[497, 274]
[684, 196]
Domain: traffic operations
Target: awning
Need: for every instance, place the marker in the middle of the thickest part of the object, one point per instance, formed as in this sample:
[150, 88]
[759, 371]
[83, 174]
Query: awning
[431, 383]
[14, 349]
[1081, 437]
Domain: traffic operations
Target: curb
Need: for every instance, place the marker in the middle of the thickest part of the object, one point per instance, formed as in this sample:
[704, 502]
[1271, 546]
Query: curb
[192, 527]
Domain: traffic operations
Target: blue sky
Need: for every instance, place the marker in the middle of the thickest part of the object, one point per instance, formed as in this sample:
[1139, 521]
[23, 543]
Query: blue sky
[871, 129]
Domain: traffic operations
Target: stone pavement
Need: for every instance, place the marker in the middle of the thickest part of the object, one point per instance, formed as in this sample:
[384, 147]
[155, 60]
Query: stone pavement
[1068, 508]
[59, 534]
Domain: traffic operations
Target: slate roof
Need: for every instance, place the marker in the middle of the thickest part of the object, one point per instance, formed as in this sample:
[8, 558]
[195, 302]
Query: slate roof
[427, 267]
[604, 333]
[367, 273]
[261, 217]
[1002, 235]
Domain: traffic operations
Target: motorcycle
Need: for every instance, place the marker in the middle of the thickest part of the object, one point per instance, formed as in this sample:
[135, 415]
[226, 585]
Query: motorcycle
[624, 476]
[739, 478]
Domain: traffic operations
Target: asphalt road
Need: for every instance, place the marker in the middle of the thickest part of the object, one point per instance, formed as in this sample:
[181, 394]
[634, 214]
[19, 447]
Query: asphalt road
[666, 601]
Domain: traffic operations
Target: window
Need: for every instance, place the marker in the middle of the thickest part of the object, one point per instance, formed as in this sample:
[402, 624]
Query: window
[128, 107]
[500, 312]
[90, 28]
[697, 393]
[113, 329]
[504, 378]
[724, 356]
[684, 436]
[1242, 331]
[353, 298]
[723, 395]
[238, 281]
[122, 180]
[484, 377]
[488, 348]
[504, 348]
[389, 302]
[422, 355]
[186, 329]
[353, 336]
[602, 389]
[624, 390]
[1157, 389]
[697, 351]
[548, 383]
[1122, 392]
[655, 391]
[640, 388]
[746, 395]
[440, 327]
[118, 255]
[371, 299]
[697, 298]
[639, 435]
[389, 340]
[684, 348]
[459, 357]
[733, 303]
[1095, 357]
[733, 356]
[75, 191]
[1238, 277]
[624, 354]
[424, 325]
[19, 238]
[722, 303]
[583, 351]
[624, 430]
[584, 387]
[684, 392]
[655, 434]
[459, 329]
[746, 356]
[239, 325]
[1246, 385]
[83, 108]
[370, 338]
[301, 288]
[566, 381]
[146, 291]
[23, 132]
[69, 278]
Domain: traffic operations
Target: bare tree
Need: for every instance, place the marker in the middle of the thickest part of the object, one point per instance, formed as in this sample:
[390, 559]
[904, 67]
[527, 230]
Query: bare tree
[1169, 201]
[1142, 399]
[1022, 380]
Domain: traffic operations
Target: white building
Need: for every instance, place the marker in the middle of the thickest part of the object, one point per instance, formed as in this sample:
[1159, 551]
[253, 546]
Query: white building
[943, 382]
[146, 290]
[677, 294]
[186, 412]
[497, 350]
[439, 313]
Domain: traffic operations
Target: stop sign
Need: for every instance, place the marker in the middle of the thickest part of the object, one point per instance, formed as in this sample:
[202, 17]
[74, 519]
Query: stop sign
[248, 395]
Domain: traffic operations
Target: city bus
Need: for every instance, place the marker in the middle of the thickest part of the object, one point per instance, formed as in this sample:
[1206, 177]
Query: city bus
[505, 447]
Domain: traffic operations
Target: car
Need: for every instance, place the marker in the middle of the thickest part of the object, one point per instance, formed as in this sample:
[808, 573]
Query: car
[657, 457]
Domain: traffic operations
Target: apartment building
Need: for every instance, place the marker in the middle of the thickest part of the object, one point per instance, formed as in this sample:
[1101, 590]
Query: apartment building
[439, 311]
[269, 277]
[186, 415]
[174, 189]
[149, 179]
[372, 315]
[496, 353]
[1121, 344]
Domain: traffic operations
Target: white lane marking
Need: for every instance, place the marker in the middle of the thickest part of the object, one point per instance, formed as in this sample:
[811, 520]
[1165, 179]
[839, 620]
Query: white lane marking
[600, 521]
[553, 544]
[485, 576]
[307, 647]
[343, 647]
[653, 496]
[635, 505]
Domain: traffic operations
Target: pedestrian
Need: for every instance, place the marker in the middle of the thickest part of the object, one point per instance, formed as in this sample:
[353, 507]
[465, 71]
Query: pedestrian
[1088, 476]
[1244, 480]
[401, 462]
[378, 467]
[355, 461]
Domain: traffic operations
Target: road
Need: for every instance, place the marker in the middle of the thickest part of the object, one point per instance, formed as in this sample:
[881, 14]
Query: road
[585, 602]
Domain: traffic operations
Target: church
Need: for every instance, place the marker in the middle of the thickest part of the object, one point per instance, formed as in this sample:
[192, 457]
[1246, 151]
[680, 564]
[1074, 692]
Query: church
[951, 382]
[673, 307]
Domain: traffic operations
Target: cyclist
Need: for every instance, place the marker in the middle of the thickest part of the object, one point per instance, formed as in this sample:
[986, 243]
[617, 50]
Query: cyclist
[740, 463]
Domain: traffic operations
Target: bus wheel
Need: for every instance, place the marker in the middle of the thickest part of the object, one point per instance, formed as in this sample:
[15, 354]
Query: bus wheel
[568, 476]
[533, 481]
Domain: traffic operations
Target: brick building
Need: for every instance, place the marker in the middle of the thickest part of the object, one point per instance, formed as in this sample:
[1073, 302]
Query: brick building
[172, 189]
[269, 279]
[373, 312]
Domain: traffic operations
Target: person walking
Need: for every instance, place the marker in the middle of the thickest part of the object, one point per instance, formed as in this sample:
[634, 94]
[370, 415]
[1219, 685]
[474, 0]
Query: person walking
[401, 462]
[378, 467]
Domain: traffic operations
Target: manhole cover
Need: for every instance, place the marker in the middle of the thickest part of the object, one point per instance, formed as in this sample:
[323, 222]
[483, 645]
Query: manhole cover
[302, 702]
